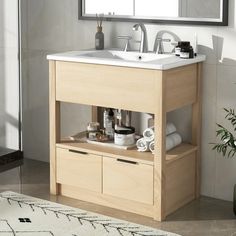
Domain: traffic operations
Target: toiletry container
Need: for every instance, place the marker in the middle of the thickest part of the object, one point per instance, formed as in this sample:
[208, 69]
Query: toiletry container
[99, 39]
[108, 121]
[184, 50]
[92, 130]
[123, 117]
[124, 136]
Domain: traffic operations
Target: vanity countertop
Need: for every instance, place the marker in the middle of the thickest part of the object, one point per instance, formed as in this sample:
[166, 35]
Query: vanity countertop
[126, 59]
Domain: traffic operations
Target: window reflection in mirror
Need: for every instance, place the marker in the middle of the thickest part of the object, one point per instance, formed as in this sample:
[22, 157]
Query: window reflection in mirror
[109, 7]
[152, 8]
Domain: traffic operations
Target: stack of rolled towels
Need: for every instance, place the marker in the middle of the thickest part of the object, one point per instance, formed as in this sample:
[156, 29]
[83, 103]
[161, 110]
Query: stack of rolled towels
[147, 142]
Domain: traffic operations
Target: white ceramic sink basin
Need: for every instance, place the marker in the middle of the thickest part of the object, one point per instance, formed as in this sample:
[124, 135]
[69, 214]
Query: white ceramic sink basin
[126, 59]
[126, 56]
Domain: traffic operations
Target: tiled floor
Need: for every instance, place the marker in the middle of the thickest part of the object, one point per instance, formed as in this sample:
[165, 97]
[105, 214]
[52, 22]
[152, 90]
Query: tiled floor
[204, 217]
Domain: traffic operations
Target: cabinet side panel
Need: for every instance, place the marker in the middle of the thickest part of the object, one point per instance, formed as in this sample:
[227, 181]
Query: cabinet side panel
[180, 182]
[196, 129]
[181, 87]
[106, 86]
[54, 125]
[160, 152]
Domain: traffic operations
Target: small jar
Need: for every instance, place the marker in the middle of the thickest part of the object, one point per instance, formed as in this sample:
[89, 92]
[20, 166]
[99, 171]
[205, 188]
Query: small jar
[178, 49]
[185, 53]
[183, 50]
[93, 130]
[125, 136]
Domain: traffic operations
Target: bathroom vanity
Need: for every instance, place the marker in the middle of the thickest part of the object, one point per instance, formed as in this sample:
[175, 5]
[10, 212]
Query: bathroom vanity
[143, 183]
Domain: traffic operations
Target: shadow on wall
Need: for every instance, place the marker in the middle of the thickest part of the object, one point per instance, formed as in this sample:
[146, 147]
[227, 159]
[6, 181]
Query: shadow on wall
[5, 118]
[2, 79]
[218, 44]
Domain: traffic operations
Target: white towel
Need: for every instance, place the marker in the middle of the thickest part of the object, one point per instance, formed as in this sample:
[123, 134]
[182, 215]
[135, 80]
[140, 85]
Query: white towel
[170, 128]
[152, 146]
[143, 145]
[172, 141]
[149, 134]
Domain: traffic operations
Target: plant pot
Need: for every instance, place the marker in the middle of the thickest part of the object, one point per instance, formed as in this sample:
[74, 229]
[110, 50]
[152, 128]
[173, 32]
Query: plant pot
[234, 201]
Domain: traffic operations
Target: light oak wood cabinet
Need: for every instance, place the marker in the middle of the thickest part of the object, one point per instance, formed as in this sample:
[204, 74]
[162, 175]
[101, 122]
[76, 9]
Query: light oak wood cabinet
[128, 180]
[143, 183]
[79, 169]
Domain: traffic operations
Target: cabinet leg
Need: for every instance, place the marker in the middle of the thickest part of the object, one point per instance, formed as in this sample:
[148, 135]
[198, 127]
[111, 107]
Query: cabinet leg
[196, 131]
[54, 126]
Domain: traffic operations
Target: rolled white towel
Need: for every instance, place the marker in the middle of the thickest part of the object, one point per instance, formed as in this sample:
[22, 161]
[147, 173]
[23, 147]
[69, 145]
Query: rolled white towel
[172, 141]
[170, 128]
[152, 146]
[143, 145]
[149, 134]
[169, 145]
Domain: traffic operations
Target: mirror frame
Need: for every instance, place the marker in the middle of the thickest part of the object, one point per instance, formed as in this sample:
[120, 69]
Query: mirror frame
[222, 22]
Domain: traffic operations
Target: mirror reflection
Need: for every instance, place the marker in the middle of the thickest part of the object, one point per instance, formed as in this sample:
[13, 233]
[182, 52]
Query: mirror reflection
[155, 9]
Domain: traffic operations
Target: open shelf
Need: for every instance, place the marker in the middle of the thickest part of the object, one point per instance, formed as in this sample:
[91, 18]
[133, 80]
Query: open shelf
[180, 151]
[143, 157]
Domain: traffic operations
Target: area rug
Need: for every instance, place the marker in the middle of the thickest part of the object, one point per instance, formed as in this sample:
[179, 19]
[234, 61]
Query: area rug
[22, 215]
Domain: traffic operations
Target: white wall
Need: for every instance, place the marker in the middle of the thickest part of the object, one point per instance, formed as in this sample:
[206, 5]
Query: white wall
[9, 76]
[52, 26]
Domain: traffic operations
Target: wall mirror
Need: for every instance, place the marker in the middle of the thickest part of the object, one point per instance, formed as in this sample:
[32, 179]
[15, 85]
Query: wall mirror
[199, 12]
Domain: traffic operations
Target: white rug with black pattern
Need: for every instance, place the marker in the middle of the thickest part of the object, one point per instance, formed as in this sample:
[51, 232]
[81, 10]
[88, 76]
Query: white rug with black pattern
[22, 215]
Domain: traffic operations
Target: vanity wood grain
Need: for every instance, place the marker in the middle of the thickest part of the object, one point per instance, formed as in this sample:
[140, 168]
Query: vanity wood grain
[167, 180]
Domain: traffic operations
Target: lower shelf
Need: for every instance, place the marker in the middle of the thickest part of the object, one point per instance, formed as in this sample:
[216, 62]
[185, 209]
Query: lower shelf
[143, 157]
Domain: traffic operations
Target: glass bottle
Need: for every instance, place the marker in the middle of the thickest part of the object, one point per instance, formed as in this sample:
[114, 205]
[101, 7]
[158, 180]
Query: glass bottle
[99, 39]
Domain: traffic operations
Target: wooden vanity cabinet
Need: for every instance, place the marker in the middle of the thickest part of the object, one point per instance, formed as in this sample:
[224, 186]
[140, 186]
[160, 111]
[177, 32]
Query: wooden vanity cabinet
[79, 169]
[142, 183]
[128, 180]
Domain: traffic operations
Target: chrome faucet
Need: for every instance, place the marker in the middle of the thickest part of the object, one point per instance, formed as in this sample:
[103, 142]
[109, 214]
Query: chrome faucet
[158, 45]
[143, 42]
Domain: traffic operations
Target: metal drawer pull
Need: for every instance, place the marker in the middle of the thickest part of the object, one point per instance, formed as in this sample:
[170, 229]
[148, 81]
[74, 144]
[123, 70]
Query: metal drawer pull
[78, 152]
[129, 162]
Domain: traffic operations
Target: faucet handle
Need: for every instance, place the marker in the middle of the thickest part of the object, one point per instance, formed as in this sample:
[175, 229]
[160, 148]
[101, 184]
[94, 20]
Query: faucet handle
[127, 38]
[163, 40]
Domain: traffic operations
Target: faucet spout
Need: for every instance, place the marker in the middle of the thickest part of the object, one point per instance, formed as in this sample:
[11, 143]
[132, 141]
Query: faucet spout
[143, 43]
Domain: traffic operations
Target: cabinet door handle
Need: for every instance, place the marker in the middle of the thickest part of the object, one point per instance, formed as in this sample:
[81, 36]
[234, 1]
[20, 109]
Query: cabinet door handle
[78, 152]
[129, 162]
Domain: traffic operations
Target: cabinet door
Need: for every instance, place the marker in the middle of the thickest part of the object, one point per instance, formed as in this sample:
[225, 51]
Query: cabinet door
[79, 169]
[128, 180]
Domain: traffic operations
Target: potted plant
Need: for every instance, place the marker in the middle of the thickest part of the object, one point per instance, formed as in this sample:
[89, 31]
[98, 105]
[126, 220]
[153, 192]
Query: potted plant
[227, 144]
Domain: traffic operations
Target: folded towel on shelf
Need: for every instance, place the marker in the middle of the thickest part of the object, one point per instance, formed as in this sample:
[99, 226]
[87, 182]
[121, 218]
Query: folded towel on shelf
[172, 141]
[143, 145]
